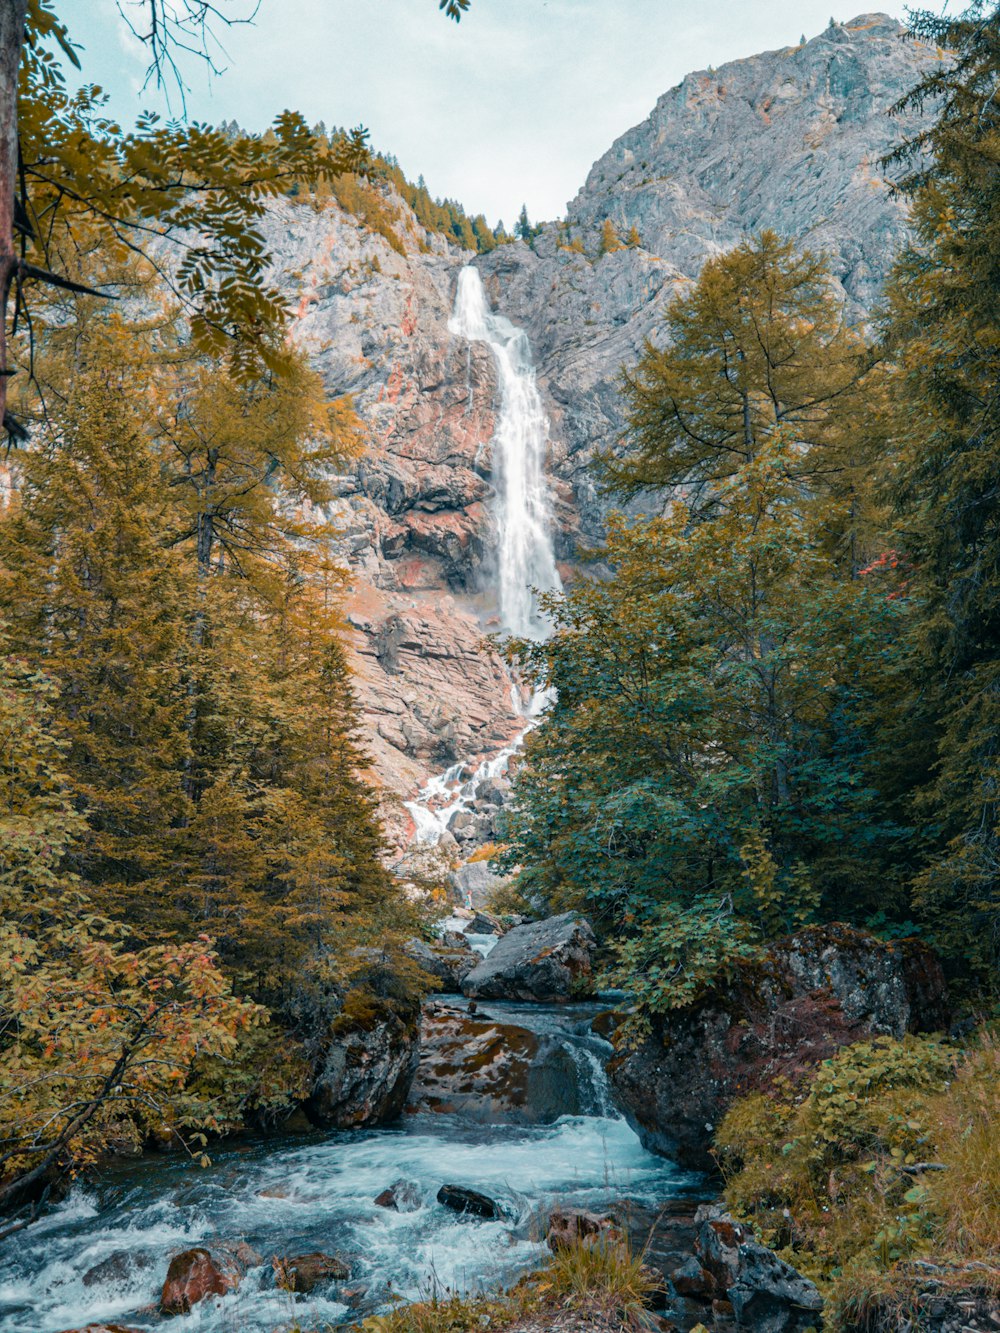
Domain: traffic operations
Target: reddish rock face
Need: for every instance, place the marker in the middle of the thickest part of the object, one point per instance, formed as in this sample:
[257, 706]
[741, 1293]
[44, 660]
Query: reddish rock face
[820, 989]
[191, 1277]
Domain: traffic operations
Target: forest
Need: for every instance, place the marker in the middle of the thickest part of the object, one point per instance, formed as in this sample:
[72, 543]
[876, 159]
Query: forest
[775, 684]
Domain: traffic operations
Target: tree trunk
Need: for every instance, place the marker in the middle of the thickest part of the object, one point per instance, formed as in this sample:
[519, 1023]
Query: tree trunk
[11, 41]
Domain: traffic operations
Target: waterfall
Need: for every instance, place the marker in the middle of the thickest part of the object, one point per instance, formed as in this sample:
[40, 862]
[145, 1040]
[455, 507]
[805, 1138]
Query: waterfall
[522, 508]
[525, 558]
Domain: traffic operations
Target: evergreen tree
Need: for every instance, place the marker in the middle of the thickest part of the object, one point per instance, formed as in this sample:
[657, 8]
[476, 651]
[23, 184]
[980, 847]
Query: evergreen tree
[943, 476]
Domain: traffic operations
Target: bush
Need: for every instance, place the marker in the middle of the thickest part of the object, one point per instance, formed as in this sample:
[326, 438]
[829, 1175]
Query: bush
[886, 1155]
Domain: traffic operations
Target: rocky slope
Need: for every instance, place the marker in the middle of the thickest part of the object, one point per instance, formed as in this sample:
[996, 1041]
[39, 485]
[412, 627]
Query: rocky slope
[790, 139]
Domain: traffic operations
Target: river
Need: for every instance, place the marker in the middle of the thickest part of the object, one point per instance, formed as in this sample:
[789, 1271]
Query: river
[292, 1195]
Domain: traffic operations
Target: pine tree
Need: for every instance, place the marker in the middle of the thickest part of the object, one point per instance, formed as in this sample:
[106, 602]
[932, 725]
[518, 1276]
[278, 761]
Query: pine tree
[944, 473]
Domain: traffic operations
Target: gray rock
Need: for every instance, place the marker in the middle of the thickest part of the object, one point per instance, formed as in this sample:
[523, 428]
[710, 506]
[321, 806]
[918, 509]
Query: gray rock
[767, 1294]
[475, 879]
[547, 961]
[820, 989]
[369, 1055]
[468, 1202]
[449, 964]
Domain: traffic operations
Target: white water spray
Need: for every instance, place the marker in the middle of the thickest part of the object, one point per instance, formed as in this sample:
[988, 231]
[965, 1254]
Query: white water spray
[526, 563]
[525, 559]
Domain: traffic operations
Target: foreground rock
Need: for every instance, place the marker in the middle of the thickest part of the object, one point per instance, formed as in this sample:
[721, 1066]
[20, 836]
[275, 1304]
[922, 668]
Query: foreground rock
[191, 1277]
[816, 991]
[466, 1201]
[486, 1071]
[767, 1294]
[575, 1226]
[367, 1061]
[105, 1328]
[548, 961]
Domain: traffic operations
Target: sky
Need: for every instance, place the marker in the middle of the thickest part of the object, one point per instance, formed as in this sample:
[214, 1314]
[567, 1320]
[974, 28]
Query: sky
[511, 106]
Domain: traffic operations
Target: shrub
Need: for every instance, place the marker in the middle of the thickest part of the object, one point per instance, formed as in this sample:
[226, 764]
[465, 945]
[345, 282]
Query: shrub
[887, 1154]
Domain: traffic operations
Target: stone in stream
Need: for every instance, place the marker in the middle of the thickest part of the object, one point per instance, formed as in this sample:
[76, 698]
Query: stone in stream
[548, 961]
[118, 1268]
[105, 1328]
[487, 1071]
[403, 1196]
[468, 1202]
[302, 1273]
[192, 1276]
[575, 1226]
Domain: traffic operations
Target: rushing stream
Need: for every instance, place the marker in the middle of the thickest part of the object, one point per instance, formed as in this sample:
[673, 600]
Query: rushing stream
[315, 1191]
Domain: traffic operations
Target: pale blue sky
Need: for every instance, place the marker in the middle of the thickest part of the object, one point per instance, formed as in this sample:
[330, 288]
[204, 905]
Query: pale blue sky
[511, 105]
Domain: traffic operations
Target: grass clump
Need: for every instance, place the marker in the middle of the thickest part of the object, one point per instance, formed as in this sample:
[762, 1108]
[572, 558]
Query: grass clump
[602, 1277]
[885, 1156]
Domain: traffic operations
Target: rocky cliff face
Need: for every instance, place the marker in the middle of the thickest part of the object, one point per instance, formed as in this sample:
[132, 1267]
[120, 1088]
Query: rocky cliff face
[790, 140]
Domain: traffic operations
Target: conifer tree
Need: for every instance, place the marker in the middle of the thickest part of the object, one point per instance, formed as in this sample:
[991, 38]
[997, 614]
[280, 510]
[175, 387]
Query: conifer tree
[610, 240]
[944, 473]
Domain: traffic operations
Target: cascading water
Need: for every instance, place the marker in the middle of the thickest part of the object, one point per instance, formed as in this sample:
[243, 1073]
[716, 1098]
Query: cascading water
[526, 563]
[100, 1255]
[525, 557]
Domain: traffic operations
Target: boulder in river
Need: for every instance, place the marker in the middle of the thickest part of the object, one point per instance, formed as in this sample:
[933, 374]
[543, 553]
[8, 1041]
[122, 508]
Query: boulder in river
[403, 1196]
[193, 1275]
[448, 963]
[105, 1328]
[117, 1268]
[476, 882]
[304, 1272]
[468, 1202]
[487, 1071]
[548, 961]
[815, 991]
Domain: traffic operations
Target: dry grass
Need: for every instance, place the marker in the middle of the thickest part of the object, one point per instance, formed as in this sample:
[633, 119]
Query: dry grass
[604, 1282]
[965, 1197]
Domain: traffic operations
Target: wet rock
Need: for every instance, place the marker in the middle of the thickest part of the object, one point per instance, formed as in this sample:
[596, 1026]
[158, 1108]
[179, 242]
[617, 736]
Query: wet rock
[815, 991]
[105, 1328]
[484, 923]
[369, 1056]
[481, 1070]
[767, 1295]
[304, 1272]
[192, 1276]
[691, 1279]
[574, 1226]
[403, 1196]
[118, 1268]
[546, 961]
[449, 964]
[468, 1202]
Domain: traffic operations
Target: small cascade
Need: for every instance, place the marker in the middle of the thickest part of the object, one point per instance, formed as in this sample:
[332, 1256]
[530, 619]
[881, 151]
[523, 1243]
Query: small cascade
[526, 561]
